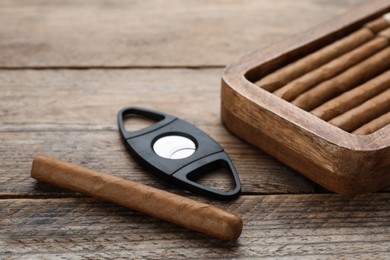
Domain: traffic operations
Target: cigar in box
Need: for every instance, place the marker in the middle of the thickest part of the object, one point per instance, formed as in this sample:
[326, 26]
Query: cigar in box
[319, 101]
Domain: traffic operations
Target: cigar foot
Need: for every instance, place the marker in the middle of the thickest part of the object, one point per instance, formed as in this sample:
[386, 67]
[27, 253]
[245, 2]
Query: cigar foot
[182, 211]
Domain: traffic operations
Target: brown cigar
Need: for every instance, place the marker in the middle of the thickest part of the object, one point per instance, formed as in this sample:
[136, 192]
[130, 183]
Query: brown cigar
[379, 24]
[364, 113]
[318, 58]
[182, 211]
[331, 69]
[374, 125]
[312, 61]
[353, 98]
[353, 77]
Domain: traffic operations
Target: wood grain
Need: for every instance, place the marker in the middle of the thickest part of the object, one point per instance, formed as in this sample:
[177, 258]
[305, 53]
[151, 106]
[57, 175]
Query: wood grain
[93, 97]
[282, 226]
[42, 33]
[104, 151]
[341, 162]
[72, 115]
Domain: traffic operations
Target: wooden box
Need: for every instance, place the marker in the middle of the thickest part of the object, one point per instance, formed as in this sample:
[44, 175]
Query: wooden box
[340, 160]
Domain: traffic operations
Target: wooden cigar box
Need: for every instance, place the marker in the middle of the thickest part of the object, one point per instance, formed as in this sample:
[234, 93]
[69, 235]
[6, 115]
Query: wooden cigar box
[339, 160]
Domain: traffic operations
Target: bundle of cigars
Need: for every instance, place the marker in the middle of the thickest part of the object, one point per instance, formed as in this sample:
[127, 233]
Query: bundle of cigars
[346, 83]
[319, 101]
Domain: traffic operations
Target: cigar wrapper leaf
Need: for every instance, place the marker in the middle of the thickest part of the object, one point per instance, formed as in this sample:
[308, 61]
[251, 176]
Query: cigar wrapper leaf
[345, 81]
[296, 87]
[353, 98]
[363, 114]
[279, 78]
[374, 125]
[284, 75]
[166, 206]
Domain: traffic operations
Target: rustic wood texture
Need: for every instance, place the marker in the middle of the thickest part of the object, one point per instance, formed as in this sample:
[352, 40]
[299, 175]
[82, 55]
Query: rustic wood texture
[104, 151]
[279, 226]
[83, 105]
[67, 67]
[149, 33]
[341, 162]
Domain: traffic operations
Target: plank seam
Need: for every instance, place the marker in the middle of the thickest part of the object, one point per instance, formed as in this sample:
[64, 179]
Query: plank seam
[97, 67]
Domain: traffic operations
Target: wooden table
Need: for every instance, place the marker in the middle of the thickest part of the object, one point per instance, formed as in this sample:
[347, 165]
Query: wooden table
[67, 67]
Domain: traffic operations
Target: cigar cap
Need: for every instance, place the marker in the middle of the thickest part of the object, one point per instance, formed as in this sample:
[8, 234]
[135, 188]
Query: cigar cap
[387, 17]
[379, 24]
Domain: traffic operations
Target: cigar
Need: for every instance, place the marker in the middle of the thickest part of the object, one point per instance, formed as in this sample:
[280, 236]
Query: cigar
[379, 24]
[364, 113]
[353, 98]
[176, 209]
[374, 125]
[296, 87]
[296, 69]
[324, 55]
[352, 77]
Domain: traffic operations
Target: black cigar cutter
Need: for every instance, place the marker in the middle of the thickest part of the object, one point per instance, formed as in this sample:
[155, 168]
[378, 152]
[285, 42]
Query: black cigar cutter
[177, 151]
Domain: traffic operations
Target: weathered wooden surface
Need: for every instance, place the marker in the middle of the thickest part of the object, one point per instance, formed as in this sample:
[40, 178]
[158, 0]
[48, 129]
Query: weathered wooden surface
[339, 161]
[91, 98]
[149, 33]
[300, 226]
[104, 151]
[71, 114]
